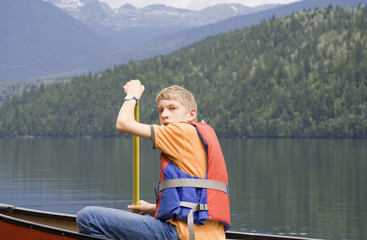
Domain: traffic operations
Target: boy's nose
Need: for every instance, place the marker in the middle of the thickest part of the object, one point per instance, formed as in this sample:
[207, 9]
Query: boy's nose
[164, 113]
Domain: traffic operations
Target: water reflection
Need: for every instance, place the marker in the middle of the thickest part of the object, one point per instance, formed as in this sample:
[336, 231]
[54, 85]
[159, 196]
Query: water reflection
[304, 187]
[301, 187]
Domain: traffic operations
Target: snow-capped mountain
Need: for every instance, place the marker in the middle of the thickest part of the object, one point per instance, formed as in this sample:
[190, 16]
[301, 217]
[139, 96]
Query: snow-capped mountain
[128, 26]
[100, 16]
[68, 5]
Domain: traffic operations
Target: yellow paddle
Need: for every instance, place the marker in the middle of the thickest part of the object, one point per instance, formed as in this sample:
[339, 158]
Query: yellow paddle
[136, 171]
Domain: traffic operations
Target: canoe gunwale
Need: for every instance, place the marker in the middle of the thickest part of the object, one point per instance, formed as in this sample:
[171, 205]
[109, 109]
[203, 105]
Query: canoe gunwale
[36, 213]
[259, 236]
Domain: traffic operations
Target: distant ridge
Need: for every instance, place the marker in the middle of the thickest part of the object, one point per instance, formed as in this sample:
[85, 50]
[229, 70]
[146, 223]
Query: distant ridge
[38, 38]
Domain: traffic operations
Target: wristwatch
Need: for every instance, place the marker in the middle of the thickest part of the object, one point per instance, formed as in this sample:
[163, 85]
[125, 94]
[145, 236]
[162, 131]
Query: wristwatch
[128, 97]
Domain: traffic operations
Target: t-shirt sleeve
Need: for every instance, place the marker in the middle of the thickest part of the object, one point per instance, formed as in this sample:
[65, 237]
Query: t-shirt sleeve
[168, 139]
[182, 145]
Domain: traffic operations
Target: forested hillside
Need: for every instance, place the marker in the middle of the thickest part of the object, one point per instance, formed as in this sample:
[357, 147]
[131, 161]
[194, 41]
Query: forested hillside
[303, 75]
[10, 89]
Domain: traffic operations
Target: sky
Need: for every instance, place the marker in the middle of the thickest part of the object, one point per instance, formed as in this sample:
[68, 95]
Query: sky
[192, 4]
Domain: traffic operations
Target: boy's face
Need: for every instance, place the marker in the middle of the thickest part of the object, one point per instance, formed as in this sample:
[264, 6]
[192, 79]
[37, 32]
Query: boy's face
[172, 111]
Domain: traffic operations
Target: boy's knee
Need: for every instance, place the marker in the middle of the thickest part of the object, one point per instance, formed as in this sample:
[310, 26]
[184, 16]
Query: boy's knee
[84, 214]
[85, 219]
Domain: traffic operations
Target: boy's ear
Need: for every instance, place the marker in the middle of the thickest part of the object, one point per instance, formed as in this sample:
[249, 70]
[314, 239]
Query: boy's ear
[193, 114]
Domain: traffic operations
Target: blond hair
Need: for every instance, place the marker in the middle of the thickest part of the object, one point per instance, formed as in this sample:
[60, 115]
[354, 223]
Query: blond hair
[177, 93]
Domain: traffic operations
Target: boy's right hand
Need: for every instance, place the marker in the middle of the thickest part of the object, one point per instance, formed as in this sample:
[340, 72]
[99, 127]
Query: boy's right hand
[135, 88]
[126, 123]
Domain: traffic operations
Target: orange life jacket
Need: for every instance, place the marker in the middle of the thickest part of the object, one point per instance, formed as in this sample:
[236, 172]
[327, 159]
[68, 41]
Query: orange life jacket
[191, 198]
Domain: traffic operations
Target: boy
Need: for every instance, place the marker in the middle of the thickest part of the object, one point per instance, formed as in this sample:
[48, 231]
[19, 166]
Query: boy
[193, 186]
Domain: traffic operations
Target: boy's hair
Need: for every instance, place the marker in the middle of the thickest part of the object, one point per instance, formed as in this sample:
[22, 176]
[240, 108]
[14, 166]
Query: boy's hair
[184, 96]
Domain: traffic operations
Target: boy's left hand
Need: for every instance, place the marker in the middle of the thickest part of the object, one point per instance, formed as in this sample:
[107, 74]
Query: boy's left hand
[143, 208]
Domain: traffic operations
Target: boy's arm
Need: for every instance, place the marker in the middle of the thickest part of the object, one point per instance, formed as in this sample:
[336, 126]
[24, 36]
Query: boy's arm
[125, 120]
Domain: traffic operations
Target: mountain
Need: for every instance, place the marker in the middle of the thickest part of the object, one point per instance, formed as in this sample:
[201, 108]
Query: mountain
[128, 26]
[170, 42]
[38, 38]
[100, 16]
[165, 44]
[302, 75]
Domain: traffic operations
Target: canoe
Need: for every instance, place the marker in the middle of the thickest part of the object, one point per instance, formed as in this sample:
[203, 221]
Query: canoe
[21, 223]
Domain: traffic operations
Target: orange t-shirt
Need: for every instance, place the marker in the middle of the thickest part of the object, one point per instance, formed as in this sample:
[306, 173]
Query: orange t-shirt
[182, 145]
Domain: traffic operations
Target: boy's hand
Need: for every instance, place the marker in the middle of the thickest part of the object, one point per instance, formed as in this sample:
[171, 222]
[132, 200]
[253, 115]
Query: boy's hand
[125, 122]
[135, 88]
[143, 208]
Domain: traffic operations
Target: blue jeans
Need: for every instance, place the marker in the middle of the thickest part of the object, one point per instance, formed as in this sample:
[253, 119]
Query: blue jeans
[119, 224]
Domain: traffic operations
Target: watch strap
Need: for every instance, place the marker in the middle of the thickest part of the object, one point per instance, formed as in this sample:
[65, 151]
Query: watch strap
[128, 97]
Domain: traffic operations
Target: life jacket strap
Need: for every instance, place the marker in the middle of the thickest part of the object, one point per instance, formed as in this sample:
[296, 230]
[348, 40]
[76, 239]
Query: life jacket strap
[190, 219]
[197, 183]
[193, 182]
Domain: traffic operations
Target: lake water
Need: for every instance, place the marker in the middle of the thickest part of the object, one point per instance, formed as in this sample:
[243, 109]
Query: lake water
[299, 187]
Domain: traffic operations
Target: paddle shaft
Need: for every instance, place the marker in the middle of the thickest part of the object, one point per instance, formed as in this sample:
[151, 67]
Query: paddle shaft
[136, 170]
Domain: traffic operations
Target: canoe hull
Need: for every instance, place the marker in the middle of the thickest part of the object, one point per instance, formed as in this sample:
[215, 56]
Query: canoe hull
[10, 231]
[21, 223]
